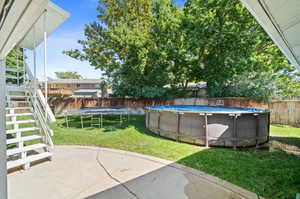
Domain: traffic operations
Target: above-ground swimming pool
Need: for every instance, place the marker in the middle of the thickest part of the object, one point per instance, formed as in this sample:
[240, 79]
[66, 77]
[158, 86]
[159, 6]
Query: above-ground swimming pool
[210, 126]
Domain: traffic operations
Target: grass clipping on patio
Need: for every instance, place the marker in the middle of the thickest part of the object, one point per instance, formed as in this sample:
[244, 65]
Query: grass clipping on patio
[269, 173]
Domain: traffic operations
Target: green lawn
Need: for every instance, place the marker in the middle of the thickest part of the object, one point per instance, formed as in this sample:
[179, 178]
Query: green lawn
[287, 135]
[272, 174]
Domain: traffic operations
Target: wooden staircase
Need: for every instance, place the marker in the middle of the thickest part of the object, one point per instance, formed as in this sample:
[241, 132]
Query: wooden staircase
[28, 132]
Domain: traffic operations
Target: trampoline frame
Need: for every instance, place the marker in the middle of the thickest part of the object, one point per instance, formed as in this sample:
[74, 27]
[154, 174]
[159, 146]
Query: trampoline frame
[68, 114]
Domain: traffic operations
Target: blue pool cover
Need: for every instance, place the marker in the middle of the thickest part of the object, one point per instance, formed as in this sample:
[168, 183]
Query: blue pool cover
[206, 109]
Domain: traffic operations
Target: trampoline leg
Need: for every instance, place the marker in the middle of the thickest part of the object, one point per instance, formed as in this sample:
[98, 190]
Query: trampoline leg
[81, 121]
[99, 122]
[120, 119]
[101, 118]
[66, 119]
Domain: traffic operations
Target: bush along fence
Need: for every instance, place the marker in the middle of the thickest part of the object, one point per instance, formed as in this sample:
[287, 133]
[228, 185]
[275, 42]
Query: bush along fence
[282, 112]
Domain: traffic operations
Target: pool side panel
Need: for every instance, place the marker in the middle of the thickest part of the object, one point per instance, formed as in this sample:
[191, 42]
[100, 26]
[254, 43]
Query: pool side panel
[168, 125]
[220, 130]
[251, 129]
[192, 128]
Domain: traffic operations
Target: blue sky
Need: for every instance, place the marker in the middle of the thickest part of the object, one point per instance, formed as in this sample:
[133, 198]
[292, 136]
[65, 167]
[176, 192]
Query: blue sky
[66, 36]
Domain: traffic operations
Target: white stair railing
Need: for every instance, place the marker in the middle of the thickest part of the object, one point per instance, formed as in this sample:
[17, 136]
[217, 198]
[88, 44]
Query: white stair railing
[22, 90]
[39, 97]
[42, 112]
[40, 107]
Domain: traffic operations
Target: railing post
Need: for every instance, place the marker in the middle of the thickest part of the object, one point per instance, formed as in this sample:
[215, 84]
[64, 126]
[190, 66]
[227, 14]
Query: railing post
[3, 167]
[45, 61]
[34, 69]
[23, 67]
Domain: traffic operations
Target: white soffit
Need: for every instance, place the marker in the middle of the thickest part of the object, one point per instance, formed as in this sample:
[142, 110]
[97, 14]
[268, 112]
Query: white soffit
[281, 20]
[55, 16]
[18, 23]
[21, 16]
[1, 4]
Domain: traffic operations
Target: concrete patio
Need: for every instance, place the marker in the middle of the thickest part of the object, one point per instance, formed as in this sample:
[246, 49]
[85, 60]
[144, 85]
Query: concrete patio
[91, 172]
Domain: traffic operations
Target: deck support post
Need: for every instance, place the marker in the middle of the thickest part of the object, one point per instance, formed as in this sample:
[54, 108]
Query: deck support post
[257, 130]
[148, 119]
[206, 130]
[158, 122]
[178, 126]
[205, 126]
[3, 166]
[235, 134]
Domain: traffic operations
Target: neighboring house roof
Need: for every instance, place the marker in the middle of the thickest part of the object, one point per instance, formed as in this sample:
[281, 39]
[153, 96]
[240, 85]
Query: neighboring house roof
[87, 91]
[192, 85]
[281, 20]
[76, 81]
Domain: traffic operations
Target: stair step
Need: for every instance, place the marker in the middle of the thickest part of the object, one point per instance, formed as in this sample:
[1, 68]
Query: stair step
[15, 88]
[25, 149]
[13, 77]
[19, 101]
[19, 96]
[22, 130]
[24, 139]
[14, 70]
[19, 108]
[29, 159]
[18, 114]
[20, 122]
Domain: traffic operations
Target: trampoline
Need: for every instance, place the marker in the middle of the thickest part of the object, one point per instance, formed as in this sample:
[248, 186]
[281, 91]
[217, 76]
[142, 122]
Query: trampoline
[96, 114]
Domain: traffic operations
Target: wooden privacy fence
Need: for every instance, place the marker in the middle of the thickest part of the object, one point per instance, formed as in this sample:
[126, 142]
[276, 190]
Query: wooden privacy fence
[282, 111]
[60, 105]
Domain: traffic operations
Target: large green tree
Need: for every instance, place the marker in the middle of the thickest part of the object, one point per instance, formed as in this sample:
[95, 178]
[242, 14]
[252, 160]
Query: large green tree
[234, 54]
[138, 44]
[142, 45]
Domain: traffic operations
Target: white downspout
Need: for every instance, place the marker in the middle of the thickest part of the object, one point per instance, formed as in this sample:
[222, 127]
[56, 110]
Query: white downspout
[3, 166]
[45, 61]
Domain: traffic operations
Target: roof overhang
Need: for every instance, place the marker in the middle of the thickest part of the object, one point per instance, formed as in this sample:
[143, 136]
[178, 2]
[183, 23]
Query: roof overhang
[16, 25]
[281, 20]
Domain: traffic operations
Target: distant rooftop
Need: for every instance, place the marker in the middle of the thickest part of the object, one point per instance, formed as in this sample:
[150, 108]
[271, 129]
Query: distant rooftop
[192, 85]
[87, 90]
[76, 81]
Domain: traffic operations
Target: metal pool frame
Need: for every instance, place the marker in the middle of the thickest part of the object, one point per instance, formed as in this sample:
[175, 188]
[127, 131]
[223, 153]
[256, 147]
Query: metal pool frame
[223, 129]
[91, 112]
